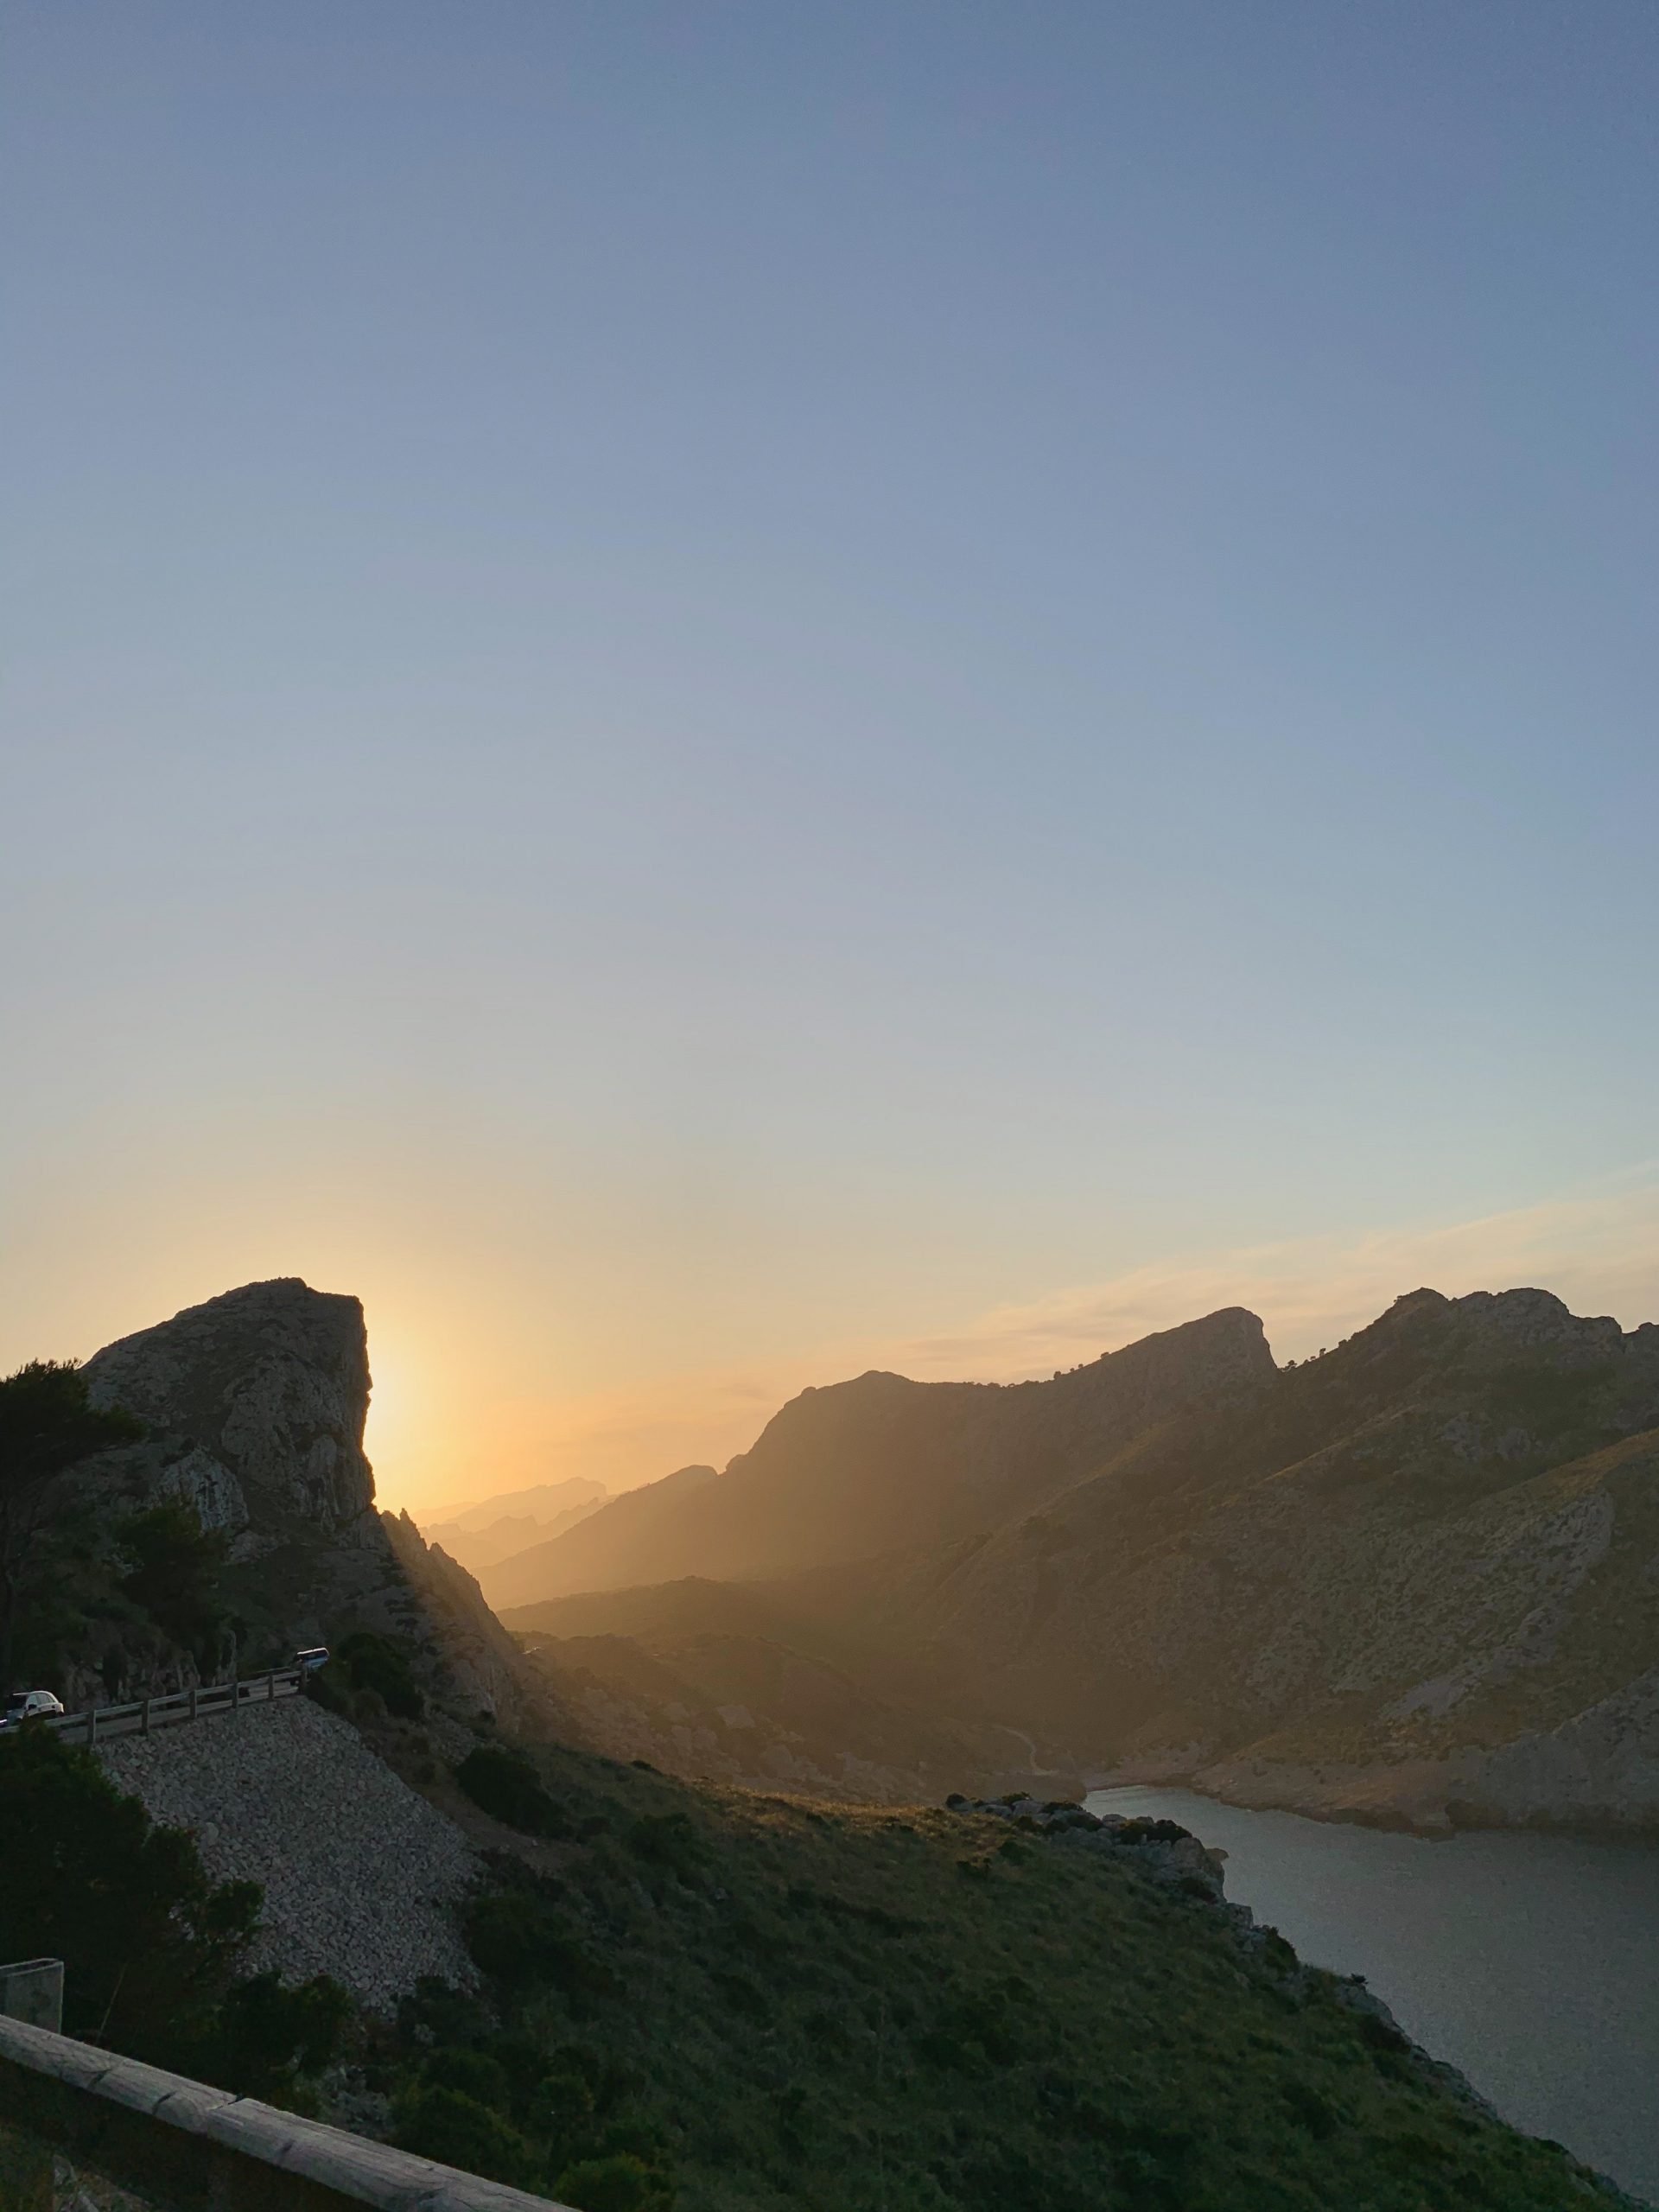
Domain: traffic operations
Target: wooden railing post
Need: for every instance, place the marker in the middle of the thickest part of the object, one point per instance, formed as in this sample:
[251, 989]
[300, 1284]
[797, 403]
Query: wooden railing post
[193, 1701]
[143, 1720]
[91, 1725]
[271, 1684]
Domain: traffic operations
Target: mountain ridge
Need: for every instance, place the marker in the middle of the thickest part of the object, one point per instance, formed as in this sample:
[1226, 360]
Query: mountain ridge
[907, 1463]
[1407, 1580]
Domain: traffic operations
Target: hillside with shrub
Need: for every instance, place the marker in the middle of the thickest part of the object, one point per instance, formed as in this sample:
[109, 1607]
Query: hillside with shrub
[753, 2003]
[705, 2001]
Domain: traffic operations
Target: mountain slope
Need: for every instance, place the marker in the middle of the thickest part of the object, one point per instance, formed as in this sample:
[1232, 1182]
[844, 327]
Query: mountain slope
[1439, 1540]
[1412, 1580]
[720, 1682]
[881, 1464]
[785, 2004]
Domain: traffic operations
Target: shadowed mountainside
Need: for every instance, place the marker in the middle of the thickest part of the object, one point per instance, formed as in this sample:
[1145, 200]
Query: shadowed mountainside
[882, 1464]
[1439, 1540]
[722, 1681]
[1411, 1579]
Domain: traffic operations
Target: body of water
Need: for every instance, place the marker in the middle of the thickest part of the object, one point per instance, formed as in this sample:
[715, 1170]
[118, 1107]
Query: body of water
[1530, 1961]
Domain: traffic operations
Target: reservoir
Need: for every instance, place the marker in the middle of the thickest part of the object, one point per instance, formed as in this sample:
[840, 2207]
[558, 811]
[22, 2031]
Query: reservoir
[1530, 1961]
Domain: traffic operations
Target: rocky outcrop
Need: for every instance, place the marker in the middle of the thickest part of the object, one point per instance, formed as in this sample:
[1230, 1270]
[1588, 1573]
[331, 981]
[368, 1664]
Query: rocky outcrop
[256, 1404]
[882, 1464]
[491, 1677]
[1599, 1768]
[1161, 1850]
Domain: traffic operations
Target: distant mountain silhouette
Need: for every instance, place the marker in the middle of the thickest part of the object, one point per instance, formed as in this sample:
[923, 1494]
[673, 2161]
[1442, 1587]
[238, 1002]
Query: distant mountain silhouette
[490, 1529]
[882, 1464]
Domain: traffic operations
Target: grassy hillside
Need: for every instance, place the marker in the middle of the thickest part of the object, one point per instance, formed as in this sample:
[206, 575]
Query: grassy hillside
[762, 2003]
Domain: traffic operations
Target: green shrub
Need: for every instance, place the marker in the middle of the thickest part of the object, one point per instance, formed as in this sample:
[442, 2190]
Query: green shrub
[174, 1574]
[620, 2184]
[474, 2073]
[46, 1426]
[436, 2012]
[322, 1689]
[375, 1663]
[504, 1784]
[668, 1841]
[439, 2122]
[560, 2107]
[268, 2031]
[518, 1939]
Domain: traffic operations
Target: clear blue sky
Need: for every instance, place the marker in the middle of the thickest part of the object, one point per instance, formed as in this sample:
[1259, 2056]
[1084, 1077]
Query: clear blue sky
[736, 677]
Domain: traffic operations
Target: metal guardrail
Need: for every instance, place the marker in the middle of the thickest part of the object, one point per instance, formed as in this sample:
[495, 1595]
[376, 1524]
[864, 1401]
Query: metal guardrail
[100, 1722]
[188, 2148]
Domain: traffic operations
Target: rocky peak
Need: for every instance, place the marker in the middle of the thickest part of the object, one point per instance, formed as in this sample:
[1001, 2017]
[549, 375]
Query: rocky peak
[256, 1404]
[1508, 1323]
[1225, 1352]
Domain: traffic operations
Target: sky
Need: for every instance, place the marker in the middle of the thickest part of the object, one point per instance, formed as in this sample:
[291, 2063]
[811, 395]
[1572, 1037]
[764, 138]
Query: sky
[704, 695]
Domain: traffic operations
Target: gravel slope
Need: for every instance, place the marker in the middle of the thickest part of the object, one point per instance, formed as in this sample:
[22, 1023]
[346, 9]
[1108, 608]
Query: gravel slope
[357, 1868]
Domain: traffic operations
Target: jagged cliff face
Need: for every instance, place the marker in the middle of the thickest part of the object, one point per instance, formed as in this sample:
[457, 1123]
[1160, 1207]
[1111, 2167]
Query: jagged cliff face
[881, 1464]
[256, 1404]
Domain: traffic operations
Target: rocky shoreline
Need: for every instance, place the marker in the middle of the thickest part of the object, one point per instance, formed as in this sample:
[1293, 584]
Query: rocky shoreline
[1533, 1784]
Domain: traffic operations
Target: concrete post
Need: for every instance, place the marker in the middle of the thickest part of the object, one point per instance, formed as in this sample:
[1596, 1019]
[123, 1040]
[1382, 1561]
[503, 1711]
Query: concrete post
[32, 1990]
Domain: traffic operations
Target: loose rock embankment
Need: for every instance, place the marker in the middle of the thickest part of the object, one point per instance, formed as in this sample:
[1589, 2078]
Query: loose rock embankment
[358, 1871]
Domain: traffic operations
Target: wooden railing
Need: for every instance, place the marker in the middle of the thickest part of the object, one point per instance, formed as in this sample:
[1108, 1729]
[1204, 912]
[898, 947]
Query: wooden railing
[184, 2147]
[100, 1722]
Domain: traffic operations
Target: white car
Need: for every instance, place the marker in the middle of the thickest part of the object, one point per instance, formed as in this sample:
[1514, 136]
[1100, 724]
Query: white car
[29, 1705]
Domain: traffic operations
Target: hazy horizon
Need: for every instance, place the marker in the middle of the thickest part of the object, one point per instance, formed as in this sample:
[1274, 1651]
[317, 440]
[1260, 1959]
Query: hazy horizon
[1599, 1252]
[707, 697]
